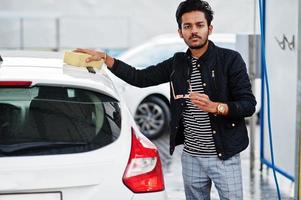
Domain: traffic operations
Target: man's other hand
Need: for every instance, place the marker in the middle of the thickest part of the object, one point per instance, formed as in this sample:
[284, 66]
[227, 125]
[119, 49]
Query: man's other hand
[96, 56]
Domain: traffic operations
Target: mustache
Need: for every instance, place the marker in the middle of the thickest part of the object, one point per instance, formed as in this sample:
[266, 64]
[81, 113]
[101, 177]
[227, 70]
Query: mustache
[195, 36]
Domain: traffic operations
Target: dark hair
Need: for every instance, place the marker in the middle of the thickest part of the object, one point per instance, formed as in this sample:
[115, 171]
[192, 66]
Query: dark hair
[194, 5]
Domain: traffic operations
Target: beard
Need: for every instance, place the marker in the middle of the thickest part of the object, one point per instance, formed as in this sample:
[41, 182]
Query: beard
[198, 46]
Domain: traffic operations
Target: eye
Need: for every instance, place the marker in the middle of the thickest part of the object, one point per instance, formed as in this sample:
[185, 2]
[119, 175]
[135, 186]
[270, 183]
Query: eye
[200, 25]
[186, 26]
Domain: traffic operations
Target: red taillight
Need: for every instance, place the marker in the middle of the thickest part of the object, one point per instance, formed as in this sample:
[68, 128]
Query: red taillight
[15, 83]
[144, 171]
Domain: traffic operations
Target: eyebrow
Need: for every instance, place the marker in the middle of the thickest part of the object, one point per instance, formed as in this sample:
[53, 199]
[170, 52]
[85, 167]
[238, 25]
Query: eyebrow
[199, 22]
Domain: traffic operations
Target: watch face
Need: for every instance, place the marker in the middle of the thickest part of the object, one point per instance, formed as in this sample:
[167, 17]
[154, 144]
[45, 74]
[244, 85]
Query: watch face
[221, 108]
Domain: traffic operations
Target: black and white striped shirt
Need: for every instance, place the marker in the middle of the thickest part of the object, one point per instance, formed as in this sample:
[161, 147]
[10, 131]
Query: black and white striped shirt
[197, 126]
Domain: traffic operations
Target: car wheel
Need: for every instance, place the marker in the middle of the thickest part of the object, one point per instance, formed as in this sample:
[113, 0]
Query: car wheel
[152, 116]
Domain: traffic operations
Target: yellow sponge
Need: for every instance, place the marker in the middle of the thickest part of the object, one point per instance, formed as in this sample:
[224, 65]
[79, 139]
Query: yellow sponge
[79, 60]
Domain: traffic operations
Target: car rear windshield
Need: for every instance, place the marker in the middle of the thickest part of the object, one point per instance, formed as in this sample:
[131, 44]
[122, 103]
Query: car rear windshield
[46, 120]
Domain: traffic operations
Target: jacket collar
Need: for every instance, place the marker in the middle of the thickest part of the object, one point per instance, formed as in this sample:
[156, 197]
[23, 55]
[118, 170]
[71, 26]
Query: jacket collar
[208, 57]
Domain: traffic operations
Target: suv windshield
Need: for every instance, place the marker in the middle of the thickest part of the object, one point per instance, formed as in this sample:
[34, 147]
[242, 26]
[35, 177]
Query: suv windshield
[154, 54]
[47, 120]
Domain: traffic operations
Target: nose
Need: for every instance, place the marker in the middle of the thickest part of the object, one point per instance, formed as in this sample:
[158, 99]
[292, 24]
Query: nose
[194, 29]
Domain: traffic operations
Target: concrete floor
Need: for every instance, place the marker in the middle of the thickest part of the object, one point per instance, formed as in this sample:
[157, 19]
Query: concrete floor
[256, 184]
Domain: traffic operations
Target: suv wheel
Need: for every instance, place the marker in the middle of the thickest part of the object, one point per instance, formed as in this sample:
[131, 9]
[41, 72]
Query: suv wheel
[152, 116]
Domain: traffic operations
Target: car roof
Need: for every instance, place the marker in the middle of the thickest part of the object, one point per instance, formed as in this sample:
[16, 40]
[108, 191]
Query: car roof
[53, 72]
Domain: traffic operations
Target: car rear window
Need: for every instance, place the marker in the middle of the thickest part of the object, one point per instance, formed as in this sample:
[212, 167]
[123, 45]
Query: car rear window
[46, 120]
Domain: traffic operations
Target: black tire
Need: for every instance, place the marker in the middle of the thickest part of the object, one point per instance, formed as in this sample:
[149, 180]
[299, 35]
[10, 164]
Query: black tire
[153, 116]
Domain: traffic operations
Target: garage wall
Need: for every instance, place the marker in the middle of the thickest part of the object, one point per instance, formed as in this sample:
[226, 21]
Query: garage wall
[114, 24]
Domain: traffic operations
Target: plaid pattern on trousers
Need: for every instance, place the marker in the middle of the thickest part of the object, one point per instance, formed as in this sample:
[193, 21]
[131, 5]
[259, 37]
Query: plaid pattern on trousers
[199, 173]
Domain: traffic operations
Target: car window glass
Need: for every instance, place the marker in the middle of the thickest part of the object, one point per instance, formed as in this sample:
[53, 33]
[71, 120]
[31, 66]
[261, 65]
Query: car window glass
[154, 54]
[55, 120]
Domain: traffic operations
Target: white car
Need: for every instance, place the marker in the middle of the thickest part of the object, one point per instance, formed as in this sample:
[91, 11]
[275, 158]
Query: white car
[65, 134]
[150, 106]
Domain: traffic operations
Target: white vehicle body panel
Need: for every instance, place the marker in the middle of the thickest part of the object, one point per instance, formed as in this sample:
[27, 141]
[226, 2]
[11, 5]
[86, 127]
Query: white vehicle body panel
[90, 175]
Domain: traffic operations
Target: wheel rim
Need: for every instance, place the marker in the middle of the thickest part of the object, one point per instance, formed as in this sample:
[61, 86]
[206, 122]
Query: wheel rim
[150, 118]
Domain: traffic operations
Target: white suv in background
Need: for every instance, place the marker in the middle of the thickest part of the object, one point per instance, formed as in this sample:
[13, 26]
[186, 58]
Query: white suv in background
[65, 134]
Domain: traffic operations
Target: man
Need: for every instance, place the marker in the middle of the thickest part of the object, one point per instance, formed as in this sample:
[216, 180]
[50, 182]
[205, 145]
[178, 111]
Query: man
[210, 97]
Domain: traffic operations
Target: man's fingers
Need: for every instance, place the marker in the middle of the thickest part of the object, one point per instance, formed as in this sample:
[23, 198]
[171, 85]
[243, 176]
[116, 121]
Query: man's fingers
[202, 95]
[199, 103]
[94, 54]
[93, 58]
[80, 50]
[88, 51]
[199, 98]
[89, 59]
[197, 94]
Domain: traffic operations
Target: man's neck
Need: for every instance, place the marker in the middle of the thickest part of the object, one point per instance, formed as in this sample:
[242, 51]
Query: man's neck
[197, 53]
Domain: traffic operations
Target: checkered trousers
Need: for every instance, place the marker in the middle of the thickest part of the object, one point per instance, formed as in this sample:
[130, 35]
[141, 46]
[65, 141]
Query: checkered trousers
[199, 173]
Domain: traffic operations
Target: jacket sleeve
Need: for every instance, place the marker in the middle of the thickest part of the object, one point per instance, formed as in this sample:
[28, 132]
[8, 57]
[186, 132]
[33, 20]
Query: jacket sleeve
[242, 102]
[150, 76]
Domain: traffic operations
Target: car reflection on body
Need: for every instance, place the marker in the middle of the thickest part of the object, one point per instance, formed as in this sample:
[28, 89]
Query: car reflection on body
[65, 134]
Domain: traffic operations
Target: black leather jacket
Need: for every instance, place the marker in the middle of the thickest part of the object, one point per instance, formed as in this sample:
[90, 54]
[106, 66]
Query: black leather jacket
[225, 79]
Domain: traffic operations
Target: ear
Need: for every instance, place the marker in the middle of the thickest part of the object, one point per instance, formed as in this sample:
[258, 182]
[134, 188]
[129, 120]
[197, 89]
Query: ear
[180, 33]
[210, 29]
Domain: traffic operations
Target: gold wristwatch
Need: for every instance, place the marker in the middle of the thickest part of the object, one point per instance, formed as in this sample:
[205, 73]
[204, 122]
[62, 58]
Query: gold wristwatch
[221, 109]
